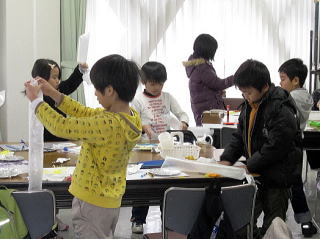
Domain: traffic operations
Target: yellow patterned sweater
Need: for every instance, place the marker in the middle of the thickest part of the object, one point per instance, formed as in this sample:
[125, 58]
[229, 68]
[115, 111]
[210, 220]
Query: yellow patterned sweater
[107, 139]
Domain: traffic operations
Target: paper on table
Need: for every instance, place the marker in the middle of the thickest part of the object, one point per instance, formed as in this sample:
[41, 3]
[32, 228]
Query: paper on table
[192, 166]
[83, 45]
[2, 97]
[144, 174]
[57, 174]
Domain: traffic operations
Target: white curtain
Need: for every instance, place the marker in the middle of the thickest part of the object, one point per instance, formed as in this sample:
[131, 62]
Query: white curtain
[271, 31]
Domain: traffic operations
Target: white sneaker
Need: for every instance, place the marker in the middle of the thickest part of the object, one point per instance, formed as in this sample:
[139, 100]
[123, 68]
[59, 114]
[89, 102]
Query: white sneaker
[137, 228]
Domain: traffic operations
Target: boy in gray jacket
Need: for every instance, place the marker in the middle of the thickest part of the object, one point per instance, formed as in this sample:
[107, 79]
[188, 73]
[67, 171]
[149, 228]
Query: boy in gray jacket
[293, 74]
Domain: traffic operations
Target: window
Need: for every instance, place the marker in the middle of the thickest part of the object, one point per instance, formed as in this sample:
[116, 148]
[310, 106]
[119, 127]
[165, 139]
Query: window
[164, 30]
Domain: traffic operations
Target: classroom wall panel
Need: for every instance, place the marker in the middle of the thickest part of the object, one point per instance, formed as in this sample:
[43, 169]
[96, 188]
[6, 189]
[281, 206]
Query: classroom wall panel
[31, 30]
[2, 65]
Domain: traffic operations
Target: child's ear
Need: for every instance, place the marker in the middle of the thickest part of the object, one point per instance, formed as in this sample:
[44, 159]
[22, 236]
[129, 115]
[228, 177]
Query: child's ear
[108, 90]
[296, 81]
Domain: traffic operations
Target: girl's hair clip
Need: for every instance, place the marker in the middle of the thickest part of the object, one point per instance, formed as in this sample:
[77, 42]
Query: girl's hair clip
[51, 65]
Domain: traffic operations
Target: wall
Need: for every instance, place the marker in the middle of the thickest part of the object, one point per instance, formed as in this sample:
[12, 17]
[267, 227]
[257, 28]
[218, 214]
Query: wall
[2, 65]
[30, 29]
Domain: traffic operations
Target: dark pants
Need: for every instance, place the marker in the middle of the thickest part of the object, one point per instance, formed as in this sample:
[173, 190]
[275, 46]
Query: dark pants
[299, 203]
[273, 203]
[139, 214]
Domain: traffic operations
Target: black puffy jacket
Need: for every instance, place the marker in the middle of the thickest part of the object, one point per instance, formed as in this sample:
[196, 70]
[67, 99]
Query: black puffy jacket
[276, 140]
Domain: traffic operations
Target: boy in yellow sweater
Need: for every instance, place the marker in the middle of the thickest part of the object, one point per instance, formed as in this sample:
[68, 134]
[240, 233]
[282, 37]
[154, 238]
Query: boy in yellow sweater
[108, 134]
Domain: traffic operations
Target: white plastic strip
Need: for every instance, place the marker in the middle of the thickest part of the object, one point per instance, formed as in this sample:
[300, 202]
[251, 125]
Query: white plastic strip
[193, 166]
[35, 149]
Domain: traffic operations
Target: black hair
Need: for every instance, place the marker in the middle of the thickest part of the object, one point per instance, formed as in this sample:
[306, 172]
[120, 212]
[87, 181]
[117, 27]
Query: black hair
[205, 46]
[116, 71]
[43, 67]
[153, 71]
[295, 68]
[252, 73]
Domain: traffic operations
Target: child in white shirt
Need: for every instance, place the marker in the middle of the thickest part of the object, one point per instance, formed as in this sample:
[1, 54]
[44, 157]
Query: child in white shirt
[155, 106]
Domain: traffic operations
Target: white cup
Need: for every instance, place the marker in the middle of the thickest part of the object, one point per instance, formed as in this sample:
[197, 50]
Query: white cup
[166, 140]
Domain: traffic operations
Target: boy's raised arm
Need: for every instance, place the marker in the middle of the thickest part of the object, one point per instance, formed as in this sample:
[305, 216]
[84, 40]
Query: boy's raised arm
[63, 102]
[73, 128]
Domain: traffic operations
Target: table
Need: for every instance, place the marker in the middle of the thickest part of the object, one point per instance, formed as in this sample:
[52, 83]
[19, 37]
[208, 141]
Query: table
[138, 192]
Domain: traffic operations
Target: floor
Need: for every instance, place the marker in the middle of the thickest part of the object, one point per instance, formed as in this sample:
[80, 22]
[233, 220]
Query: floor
[123, 229]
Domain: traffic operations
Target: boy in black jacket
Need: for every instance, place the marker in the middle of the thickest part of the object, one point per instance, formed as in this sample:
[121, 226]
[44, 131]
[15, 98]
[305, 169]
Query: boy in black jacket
[268, 136]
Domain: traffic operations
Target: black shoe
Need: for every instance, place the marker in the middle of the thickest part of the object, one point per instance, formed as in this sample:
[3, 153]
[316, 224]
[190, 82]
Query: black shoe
[308, 229]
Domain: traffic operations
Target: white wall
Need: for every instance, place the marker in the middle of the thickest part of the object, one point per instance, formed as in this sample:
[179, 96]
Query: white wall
[2, 65]
[30, 29]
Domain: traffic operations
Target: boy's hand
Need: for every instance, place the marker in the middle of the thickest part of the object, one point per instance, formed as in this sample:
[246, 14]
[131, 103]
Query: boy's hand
[184, 125]
[32, 91]
[45, 86]
[318, 104]
[148, 130]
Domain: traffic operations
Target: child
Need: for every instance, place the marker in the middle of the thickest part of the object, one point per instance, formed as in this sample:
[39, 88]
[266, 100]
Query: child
[267, 136]
[206, 88]
[154, 106]
[108, 135]
[316, 100]
[50, 71]
[293, 74]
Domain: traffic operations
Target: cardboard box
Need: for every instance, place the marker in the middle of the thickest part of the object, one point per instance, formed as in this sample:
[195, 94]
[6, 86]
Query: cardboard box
[212, 116]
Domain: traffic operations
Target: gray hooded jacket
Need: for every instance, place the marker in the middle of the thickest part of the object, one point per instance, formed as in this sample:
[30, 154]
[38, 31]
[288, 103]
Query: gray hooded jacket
[304, 103]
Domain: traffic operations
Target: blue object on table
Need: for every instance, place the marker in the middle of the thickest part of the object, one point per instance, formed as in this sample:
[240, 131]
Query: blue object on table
[152, 164]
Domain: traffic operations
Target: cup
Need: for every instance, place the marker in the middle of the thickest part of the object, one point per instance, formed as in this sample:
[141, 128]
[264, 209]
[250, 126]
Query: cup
[166, 140]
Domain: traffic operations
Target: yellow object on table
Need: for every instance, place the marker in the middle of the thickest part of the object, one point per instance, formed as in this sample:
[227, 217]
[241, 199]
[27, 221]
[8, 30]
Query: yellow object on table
[212, 175]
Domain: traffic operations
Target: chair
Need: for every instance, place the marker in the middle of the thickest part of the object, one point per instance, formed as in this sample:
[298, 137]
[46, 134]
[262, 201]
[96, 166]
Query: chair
[38, 211]
[226, 135]
[182, 205]
[243, 215]
[177, 217]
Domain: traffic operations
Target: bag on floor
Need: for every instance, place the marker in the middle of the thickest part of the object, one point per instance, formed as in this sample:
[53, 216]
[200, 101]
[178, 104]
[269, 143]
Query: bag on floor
[278, 230]
[12, 225]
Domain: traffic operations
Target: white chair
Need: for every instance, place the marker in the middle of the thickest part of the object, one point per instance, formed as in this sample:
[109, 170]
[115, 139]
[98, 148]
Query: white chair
[38, 211]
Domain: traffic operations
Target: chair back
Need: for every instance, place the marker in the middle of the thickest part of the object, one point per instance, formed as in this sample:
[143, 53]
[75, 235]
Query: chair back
[238, 203]
[181, 208]
[182, 205]
[226, 135]
[38, 211]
